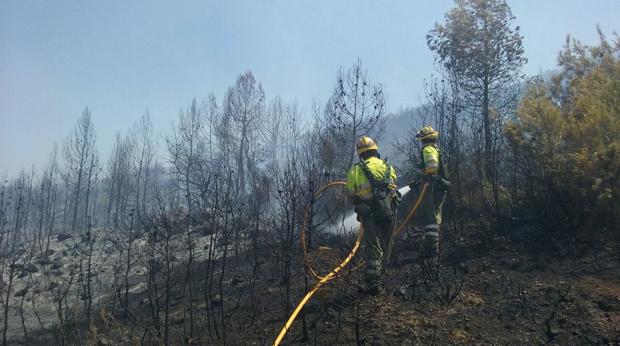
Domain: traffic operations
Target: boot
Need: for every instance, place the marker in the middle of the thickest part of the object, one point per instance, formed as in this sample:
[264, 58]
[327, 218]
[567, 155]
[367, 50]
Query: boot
[430, 244]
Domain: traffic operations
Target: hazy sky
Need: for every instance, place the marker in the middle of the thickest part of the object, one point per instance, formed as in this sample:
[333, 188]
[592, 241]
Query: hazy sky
[120, 57]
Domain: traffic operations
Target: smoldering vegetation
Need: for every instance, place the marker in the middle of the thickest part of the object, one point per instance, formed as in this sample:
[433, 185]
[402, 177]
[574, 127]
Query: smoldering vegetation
[200, 245]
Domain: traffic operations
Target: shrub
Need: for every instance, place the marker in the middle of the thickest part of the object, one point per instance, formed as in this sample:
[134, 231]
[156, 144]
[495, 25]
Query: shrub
[566, 139]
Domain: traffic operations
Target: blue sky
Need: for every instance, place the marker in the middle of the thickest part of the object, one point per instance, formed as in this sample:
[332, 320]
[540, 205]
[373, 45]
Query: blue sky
[120, 57]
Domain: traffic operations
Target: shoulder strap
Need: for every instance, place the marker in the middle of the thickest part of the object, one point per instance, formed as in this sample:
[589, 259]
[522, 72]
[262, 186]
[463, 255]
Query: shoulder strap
[368, 173]
[371, 178]
[388, 173]
[443, 170]
[422, 163]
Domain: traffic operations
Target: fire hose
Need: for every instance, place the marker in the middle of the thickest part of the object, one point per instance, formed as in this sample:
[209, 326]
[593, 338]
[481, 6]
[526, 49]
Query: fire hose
[322, 280]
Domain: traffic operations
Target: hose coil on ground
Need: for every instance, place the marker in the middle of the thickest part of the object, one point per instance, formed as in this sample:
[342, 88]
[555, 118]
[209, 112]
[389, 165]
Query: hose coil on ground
[326, 278]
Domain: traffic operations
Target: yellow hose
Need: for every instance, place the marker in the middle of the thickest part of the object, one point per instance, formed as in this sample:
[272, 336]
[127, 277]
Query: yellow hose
[411, 211]
[304, 225]
[324, 279]
[316, 287]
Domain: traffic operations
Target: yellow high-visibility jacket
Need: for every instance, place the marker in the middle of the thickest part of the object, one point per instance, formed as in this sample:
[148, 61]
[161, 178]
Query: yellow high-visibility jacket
[358, 184]
[430, 160]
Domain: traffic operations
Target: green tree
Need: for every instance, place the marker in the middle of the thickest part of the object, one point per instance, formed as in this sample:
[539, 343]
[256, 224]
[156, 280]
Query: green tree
[479, 47]
[567, 136]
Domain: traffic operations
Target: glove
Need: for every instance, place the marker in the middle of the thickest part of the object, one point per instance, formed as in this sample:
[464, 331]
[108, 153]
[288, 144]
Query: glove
[396, 200]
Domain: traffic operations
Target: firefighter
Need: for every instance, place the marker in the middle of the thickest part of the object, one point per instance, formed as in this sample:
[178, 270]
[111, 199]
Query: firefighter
[432, 170]
[371, 185]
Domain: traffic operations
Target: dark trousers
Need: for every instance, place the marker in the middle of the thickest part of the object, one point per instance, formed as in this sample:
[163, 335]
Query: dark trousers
[378, 241]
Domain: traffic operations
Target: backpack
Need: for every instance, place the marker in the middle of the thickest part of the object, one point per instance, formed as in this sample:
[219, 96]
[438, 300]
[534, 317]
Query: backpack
[381, 205]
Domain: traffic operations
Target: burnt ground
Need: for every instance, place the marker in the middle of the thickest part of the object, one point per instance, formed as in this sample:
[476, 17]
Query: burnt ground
[491, 295]
[505, 299]
[501, 297]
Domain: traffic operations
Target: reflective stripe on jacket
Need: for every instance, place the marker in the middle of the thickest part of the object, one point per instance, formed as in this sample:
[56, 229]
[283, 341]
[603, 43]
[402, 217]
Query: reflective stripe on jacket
[358, 184]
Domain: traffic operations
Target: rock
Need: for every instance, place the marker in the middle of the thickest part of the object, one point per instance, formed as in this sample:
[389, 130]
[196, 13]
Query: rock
[57, 272]
[103, 341]
[31, 268]
[58, 263]
[49, 252]
[52, 285]
[22, 274]
[63, 236]
[21, 292]
[44, 260]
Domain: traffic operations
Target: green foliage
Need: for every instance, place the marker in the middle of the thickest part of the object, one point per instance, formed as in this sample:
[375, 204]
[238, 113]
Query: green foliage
[478, 44]
[481, 50]
[567, 140]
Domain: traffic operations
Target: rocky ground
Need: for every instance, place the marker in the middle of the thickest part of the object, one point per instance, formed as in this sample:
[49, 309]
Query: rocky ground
[44, 277]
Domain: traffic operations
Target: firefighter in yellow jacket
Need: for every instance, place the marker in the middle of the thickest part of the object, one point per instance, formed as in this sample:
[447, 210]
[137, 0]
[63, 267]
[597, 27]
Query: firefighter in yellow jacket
[433, 171]
[371, 184]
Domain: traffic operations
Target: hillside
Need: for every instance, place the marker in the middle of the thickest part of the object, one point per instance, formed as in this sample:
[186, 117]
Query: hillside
[493, 293]
[197, 198]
